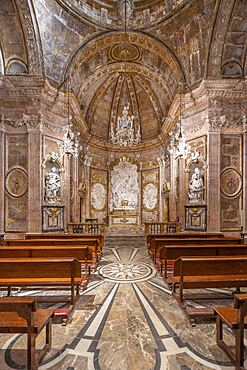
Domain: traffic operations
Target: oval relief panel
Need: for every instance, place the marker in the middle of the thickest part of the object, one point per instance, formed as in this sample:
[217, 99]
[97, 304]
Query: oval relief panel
[16, 182]
[98, 196]
[230, 182]
[150, 196]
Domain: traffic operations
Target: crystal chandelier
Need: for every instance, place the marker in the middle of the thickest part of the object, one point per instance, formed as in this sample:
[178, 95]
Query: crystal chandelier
[71, 145]
[125, 133]
[178, 146]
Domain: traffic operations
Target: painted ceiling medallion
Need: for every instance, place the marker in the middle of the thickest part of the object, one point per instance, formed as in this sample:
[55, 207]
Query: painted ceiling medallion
[16, 182]
[230, 182]
[126, 272]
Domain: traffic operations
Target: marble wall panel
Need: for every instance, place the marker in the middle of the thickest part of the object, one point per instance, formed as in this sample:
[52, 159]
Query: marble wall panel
[16, 183]
[150, 195]
[231, 181]
[98, 193]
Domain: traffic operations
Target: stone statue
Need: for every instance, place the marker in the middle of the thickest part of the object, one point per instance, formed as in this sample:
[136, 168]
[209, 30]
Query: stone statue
[52, 186]
[82, 190]
[196, 187]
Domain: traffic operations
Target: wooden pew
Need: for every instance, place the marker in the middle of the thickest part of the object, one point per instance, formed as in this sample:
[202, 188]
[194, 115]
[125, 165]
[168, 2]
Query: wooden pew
[82, 253]
[158, 243]
[93, 243]
[100, 237]
[185, 234]
[208, 272]
[20, 315]
[59, 273]
[2, 239]
[236, 319]
[172, 252]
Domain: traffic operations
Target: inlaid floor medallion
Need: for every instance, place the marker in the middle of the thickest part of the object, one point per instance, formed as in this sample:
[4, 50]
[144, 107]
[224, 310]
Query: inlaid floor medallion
[126, 272]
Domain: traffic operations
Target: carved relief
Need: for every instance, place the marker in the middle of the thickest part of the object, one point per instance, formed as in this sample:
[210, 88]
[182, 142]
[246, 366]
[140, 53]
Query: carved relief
[16, 182]
[124, 184]
[121, 52]
[230, 182]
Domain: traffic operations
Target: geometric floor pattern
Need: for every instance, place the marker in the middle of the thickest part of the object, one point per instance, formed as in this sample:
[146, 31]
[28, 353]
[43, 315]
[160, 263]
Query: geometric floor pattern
[126, 319]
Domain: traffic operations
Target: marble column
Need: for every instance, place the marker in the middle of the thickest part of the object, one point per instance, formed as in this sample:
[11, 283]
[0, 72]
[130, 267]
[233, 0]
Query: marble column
[161, 193]
[182, 192]
[172, 200]
[66, 191]
[34, 180]
[75, 210]
[88, 194]
[2, 163]
[213, 182]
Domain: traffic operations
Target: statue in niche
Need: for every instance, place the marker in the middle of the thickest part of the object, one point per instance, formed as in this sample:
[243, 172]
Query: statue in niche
[52, 186]
[196, 187]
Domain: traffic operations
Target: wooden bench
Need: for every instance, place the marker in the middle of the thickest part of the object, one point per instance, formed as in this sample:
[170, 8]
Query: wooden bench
[93, 243]
[158, 243]
[172, 252]
[99, 237]
[82, 253]
[20, 315]
[208, 272]
[58, 273]
[2, 239]
[183, 235]
[236, 319]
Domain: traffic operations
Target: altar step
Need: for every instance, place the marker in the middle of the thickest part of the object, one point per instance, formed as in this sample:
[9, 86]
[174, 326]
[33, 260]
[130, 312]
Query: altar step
[125, 241]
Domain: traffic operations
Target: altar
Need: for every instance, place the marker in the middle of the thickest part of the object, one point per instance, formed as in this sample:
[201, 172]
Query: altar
[124, 218]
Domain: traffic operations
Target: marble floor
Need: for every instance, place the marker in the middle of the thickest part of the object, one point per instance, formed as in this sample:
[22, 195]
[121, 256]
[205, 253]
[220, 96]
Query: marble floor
[126, 319]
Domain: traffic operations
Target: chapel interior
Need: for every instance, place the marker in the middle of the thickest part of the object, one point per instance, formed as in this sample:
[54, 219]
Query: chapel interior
[123, 184]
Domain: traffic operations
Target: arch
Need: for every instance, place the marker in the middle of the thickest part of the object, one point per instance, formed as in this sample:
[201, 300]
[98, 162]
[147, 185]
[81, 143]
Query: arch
[16, 66]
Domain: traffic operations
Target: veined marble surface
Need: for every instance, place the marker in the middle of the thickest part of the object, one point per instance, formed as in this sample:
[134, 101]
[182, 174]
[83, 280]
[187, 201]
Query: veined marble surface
[126, 319]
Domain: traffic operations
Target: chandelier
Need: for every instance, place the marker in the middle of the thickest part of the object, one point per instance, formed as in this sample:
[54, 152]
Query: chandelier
[178, 146]
[125, 133]
[71, 144]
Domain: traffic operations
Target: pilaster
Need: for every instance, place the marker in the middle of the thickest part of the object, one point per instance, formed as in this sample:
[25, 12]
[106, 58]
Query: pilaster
[213, 183]
[2, 163]
[34, 180]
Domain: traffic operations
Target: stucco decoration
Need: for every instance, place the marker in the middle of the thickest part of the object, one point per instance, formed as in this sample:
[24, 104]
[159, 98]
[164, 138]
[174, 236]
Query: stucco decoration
[124, 184]
[16, 182]
[150, 196]
[98, 197]
[230, 182]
